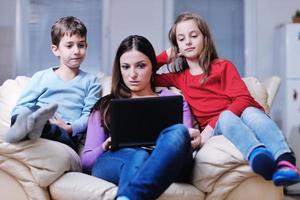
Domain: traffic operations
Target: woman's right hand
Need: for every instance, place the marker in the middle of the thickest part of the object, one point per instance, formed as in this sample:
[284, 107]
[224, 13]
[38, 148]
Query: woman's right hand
[106, 145]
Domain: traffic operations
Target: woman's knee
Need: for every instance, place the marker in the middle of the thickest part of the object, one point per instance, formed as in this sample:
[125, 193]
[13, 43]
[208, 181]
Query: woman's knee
[176, 136]
[177, 132]
[139, 157]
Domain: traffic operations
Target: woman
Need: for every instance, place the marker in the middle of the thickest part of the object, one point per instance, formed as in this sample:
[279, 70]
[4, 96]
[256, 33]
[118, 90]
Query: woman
[140, 173]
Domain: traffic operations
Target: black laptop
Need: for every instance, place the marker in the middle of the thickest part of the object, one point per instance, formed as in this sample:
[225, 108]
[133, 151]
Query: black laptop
[139, 121]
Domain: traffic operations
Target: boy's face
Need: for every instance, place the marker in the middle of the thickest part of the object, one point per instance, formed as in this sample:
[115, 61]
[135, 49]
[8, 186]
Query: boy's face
[71, 51]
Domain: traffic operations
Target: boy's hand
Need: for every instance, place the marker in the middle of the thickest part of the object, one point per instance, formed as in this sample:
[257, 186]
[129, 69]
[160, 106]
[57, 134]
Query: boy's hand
[57, 120]
[106, 145]
[195, 138]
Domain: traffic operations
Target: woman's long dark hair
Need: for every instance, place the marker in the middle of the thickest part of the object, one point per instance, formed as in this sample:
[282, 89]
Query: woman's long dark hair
[119, 89]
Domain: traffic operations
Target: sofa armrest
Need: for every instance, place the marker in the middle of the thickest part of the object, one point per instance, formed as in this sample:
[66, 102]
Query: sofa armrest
[272, 85]
[219, 159]
[40, 162]
[258, 92]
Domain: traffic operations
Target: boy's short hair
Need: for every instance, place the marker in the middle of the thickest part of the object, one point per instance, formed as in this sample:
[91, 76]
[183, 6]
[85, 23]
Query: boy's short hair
[67, 25]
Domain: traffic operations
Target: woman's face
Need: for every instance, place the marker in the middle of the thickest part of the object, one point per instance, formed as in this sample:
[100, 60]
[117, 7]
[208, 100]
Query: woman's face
[136, 70]
[189, 38]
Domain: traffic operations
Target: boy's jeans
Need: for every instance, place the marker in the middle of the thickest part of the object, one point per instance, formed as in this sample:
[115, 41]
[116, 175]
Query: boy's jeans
[142, 174]
[253, 129]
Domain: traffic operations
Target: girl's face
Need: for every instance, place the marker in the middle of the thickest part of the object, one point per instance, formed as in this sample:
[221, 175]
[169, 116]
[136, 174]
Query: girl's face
[136, 70]
[190, 40]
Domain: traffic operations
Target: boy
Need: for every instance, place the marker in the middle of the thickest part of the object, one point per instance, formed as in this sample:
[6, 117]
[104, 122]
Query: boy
[65, 91]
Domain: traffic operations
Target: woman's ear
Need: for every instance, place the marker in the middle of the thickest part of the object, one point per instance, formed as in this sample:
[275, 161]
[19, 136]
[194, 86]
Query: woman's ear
[55, 50]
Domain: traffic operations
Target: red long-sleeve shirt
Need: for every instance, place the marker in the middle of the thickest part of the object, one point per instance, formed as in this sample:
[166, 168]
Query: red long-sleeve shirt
[223, 90]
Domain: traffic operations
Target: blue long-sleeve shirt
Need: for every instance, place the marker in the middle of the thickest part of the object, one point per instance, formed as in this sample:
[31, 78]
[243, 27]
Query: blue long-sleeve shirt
[75, 97]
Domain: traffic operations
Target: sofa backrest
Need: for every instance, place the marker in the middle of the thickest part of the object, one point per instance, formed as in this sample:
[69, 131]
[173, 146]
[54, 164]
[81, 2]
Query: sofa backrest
[256, 89]
[11, 90]
[258, 92]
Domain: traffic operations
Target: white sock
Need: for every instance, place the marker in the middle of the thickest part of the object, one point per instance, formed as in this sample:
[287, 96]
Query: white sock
[41, 116]
[22, 126]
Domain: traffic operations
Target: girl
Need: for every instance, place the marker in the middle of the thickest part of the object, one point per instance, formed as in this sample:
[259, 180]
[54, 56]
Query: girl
[221, 102]
[139, 173]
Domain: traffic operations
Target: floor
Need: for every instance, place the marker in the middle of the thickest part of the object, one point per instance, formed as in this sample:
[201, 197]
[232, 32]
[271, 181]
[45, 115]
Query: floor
[292, 197]
[294, 190]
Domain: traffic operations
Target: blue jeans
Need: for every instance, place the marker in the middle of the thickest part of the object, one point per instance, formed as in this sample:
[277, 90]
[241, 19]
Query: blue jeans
[253, 129]
[142, 174]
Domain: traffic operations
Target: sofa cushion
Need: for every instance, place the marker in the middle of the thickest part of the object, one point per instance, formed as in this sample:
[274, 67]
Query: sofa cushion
[68, 187]
[42, 159]
[216, 158]
[37, 164]
[182, 191]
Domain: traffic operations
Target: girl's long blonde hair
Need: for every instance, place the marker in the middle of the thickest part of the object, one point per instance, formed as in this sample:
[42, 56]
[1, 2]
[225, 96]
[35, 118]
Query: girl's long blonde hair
[209, 52]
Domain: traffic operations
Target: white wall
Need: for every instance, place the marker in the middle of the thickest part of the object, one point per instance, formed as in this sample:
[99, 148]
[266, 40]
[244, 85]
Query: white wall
[7, 39]
[262, 17]
[151, 19]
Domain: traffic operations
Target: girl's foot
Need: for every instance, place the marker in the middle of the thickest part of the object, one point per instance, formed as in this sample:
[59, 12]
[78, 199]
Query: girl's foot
[286, 174]
[122, 198]
[262, 162]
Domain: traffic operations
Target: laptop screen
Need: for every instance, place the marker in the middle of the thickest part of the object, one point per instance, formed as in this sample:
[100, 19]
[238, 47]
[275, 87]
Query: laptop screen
[139, 121]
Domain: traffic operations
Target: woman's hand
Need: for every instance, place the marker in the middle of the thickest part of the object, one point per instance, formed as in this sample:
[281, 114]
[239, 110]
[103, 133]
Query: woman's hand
[106, 145]
[195, 138]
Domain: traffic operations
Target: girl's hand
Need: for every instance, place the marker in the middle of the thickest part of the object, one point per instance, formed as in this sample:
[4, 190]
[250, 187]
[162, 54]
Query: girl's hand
[206, 134]
[106, 145]
[195, 138]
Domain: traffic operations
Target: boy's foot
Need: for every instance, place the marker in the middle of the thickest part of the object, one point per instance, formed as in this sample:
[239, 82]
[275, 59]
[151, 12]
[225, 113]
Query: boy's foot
[286, 174]
[22, 126]
[41, 116]
[262, 162]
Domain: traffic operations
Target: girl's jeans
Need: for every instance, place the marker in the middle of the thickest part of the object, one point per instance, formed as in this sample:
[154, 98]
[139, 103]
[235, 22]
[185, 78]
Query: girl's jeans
[253, 129]
[142, 174]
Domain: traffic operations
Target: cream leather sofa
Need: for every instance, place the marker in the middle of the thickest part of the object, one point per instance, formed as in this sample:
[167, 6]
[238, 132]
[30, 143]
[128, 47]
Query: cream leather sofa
[46, 169]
